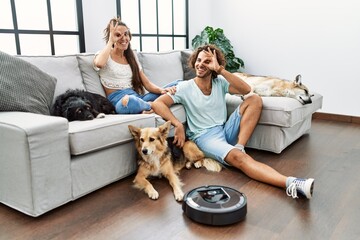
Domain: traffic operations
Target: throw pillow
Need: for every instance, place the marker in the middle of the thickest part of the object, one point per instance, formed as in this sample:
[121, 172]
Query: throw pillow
[24, 87]
[161, 67]
[189, 72]
[91, 77]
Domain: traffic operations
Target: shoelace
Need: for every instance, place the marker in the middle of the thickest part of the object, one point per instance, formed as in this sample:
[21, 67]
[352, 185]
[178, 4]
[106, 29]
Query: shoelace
[291, 190]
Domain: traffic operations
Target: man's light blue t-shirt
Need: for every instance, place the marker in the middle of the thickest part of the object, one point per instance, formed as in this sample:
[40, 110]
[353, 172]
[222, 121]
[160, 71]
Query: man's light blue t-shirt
[202, 112]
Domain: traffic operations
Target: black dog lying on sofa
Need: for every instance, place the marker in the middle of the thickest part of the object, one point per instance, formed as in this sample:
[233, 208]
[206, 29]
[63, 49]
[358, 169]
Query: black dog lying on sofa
[81, 105]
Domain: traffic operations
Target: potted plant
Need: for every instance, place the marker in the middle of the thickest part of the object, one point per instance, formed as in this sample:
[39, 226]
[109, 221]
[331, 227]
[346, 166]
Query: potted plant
[218, 38]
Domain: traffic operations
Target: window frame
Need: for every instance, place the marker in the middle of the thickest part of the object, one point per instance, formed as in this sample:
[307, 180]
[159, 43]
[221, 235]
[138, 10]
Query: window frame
[158, 35]
[16, 31]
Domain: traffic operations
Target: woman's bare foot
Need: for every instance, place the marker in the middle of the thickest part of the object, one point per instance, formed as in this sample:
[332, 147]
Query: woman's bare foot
[147, 111]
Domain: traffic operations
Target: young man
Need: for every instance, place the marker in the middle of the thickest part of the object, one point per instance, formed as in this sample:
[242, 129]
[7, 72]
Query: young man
[218, 137]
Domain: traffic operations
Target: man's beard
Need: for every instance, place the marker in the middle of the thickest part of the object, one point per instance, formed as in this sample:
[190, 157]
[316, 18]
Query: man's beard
[205, 74]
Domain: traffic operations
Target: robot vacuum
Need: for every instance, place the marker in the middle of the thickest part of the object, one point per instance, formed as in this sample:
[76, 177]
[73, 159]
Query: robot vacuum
[215, 205]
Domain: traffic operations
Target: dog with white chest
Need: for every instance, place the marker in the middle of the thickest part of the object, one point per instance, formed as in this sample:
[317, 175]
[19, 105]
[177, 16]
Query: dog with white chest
[157, 157]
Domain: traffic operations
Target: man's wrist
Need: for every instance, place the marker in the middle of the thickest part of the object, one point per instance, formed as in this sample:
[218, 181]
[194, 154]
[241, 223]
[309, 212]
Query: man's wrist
[219, 70]
[178, 124]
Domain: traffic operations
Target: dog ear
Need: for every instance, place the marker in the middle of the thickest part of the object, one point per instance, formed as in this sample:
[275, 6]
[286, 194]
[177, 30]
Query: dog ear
[165, 128]
[297, 80]
[135, 131]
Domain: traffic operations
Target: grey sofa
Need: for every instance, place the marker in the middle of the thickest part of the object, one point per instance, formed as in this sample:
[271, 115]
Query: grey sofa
[46, 161]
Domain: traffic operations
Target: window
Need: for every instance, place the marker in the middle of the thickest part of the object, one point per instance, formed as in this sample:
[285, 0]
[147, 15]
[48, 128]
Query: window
[156, 25]
[44, 30]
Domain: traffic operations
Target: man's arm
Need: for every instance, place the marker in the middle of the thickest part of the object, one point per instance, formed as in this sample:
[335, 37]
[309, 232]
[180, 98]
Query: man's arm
[161, 106]
[237, 85]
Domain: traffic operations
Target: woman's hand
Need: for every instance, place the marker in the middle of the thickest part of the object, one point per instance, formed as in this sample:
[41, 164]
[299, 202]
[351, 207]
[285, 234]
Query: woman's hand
[113, 38]
[171, 90]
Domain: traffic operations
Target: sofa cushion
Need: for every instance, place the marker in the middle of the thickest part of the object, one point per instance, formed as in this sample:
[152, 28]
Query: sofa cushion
[64, 68]
[189, 72]
[179, 112]
[97, 134]
[90, 76]
[162, 67]
[276, 139]
[280, 111]
[24, 87]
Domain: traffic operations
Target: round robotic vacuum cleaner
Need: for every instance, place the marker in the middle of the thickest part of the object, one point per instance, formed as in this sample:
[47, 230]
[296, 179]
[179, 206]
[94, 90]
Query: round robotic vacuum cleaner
[215, 205]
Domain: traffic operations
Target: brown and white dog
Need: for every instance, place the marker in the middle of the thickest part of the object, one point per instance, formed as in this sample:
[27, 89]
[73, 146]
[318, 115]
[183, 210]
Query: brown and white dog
[272, 86]
[157, 156]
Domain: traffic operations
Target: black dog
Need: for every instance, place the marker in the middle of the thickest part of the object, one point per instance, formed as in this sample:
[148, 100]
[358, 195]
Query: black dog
[81, 105]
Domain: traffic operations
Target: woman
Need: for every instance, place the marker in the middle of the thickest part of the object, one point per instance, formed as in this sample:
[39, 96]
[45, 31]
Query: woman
[121, 75]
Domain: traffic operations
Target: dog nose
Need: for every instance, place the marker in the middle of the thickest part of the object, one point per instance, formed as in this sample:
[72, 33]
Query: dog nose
[306, 99]
[144, 151]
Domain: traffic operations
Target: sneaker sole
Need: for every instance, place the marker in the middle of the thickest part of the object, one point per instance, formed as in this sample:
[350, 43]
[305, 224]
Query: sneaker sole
[309, 187]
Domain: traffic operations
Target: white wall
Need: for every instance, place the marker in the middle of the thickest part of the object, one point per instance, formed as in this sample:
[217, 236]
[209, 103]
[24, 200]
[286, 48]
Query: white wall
[318, 39]
[97, 15]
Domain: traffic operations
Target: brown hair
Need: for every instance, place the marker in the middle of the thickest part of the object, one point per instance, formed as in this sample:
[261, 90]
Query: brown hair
[219, 56]
[129, 54]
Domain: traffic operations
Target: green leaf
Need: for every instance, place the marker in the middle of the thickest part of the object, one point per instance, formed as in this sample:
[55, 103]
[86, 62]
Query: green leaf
[218, 38]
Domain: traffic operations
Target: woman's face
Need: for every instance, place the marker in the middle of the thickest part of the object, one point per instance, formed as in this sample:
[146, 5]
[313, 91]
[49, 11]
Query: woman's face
[122, 35]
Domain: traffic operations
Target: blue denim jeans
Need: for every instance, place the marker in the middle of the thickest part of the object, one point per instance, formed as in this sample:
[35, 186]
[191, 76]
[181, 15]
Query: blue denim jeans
[137, 103]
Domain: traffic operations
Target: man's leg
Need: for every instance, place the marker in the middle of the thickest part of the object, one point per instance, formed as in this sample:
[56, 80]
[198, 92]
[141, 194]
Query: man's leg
[254, 169]
[264, 173]
[250, 111]
[214, 144]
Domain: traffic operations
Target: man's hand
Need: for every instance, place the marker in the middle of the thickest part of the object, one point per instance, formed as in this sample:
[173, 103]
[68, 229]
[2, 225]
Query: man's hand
[179, 135]
[213, 63]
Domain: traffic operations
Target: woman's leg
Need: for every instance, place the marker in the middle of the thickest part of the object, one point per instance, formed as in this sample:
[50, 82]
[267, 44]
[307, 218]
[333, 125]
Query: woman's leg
[131, 104]
[127, 101]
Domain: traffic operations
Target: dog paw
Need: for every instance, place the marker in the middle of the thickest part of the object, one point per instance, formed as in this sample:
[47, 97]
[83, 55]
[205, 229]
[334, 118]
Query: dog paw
[179, 195]
[198, 164]
[188, 165]
[100, 115]
[153, 195]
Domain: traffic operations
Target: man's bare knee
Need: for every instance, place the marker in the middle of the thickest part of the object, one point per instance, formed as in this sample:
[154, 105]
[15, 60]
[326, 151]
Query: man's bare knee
[255, 100]
[236, 158]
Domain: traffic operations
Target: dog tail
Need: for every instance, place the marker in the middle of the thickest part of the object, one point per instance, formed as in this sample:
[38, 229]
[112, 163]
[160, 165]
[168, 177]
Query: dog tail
[211, 165]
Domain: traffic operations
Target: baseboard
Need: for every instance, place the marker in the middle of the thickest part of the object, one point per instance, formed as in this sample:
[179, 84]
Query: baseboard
[336, 117]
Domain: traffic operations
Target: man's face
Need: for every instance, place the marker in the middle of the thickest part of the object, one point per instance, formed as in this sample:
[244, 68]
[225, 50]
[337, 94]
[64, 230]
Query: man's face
[200, 65]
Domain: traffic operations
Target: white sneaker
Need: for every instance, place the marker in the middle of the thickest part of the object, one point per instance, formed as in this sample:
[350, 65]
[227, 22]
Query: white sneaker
[301, 186]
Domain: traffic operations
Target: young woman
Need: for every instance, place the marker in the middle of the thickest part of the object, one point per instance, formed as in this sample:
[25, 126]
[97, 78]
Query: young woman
[123, 80]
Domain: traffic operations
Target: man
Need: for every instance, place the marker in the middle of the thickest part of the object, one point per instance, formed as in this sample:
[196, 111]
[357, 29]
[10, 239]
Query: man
[218, 137]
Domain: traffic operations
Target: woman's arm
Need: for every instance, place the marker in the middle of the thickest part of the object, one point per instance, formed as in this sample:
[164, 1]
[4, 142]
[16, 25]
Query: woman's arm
[151, 87]
[101, 59]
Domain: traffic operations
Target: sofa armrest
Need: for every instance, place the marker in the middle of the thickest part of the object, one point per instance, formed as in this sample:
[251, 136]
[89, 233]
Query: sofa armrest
[35, 162]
